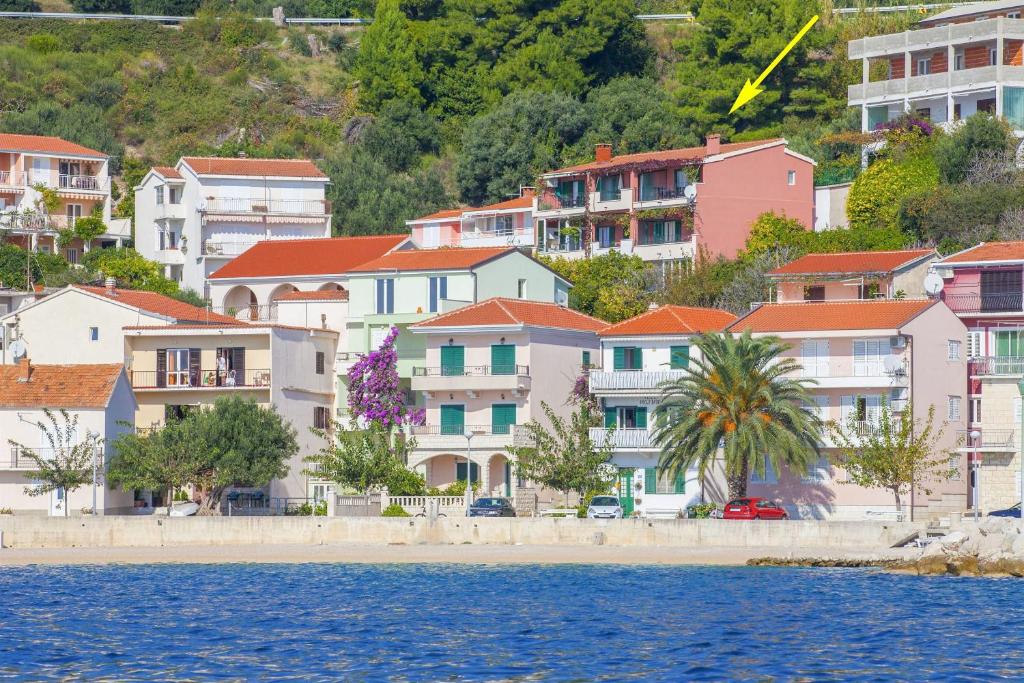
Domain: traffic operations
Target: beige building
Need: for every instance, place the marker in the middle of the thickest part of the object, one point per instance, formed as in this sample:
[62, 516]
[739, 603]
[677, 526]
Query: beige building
[854, 275]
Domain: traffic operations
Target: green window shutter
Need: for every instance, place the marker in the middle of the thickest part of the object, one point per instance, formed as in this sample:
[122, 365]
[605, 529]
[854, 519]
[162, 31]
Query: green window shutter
[453, 419]
[503, 416]
[680, 357]
[586, 359]
[641, 418]
[650, 480]
[609, 418]
[620, 357]
[453, 360]
[638, 358]
[503, 359]
[680, 482]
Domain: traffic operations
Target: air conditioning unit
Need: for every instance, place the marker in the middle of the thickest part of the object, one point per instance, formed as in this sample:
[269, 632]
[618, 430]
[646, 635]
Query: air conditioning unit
[898, 342]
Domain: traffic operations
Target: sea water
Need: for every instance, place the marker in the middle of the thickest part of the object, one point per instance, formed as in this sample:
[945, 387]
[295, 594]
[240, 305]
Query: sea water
[317, 622]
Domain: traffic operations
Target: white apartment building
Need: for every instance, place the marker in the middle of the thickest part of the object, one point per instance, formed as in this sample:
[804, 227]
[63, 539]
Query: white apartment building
[198, 216]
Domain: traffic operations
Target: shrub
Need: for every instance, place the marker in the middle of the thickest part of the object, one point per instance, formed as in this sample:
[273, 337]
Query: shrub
[309, 510]
[978, 136]
[394, 510]
[701, 510]
[875, 197]
[43, 43]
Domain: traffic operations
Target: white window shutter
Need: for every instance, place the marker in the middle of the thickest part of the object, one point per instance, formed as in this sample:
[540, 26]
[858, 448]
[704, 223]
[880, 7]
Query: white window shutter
[1016, 410]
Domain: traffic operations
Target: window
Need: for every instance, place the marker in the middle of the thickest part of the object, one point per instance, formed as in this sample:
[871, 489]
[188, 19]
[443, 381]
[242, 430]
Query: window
[460, 471]
[958, 65]
[791, 177]
[625, 417]
[953, 412]
[159, 194]
[627, 358]
[866, 409]
[660, 232]
[992, 56]
[321, 417]
[953, 349]
[319, 362]
[453, 419]
[521, 289]
[867, 356]
[974, 410]
[177, 364]
[606, 236]
[679, 357]
[94, 334]
[814, 357]
[586, 360]
[385, 295]
[974, 344]
[1013, 15]
[74, 212]
[438, 290]
[665, 483]
[503, 359]
[924, 67]
[818, 472]
[768, 477]
[503, 416]
[453, 361]
[71, 255]
[814, 293]
[175, 193]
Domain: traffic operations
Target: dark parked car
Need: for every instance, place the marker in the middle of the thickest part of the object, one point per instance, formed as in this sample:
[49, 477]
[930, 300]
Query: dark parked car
[492, 507]
[754, 508]
[1008, 512]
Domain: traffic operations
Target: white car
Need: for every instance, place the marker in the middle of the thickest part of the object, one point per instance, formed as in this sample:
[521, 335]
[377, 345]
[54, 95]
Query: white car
[604, 507]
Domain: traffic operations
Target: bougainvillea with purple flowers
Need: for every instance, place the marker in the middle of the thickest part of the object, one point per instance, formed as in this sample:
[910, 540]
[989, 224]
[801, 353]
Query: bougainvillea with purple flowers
[374, 393]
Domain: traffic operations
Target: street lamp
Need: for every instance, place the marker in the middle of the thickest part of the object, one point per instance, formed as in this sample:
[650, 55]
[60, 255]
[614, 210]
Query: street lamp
[469, 469]
[974, 436]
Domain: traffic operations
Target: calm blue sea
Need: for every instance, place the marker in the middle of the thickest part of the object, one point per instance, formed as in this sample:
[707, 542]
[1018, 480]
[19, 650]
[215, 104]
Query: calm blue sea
[320, 622]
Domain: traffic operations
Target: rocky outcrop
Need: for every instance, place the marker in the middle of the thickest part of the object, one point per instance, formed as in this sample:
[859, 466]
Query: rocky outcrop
[993, 547]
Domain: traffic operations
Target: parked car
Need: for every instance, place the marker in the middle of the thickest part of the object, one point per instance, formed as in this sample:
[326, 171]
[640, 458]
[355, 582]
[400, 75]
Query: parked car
[1013, 511]
[604, 507]
[492, 507]
[754, 508]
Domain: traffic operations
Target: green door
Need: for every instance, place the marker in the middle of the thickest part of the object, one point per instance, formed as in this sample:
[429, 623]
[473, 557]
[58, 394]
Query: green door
[453, 419]
[503, 359]
[503, 416]
[453, 360]
[626, 491]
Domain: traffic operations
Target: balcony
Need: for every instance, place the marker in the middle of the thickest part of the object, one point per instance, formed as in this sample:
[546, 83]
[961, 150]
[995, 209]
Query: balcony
[215, 249]
[932, 39]
[20, 461]
[496, 238]
[249, 313]
[555, 203]
[996, 366]
[318, 208]
[1012, 302]
[201, 379]
[471, 378]
[172, 256]
[991, 441]
[622, 438]
[632, 380]
[485, 437]
[654, 197]
[10, 179]
[168, 210]
[612, 200]
[81, 183]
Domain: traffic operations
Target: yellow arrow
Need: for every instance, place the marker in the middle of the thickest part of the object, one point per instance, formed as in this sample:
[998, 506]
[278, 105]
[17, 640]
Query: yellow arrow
[752, 90]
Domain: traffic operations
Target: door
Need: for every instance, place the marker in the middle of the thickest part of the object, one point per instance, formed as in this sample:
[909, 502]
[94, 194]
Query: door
[453, 419]
[74, 213]
[431, 236]
[503, 359]
[626, 491]
[41, 172]
[57, 502]
[453, 360]
[503, 416]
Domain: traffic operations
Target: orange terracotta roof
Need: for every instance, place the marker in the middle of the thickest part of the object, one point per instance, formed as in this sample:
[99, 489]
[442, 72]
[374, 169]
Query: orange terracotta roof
[45, 144]
[319, 256]
[161, 305]
[288, 168]
[168, 172]
[517, 203]
[851, 262]
[826, 316]
[455, 258]
[439, 215]
[327, 295]
[671, 320]
[501, 311]
[989, 251]
[688, 154]
[254, 328]
[58, 386]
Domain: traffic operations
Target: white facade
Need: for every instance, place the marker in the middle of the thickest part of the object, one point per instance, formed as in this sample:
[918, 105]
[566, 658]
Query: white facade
[194, 223]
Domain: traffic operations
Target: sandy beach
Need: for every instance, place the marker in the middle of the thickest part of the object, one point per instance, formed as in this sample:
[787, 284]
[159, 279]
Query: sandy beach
[411, 554]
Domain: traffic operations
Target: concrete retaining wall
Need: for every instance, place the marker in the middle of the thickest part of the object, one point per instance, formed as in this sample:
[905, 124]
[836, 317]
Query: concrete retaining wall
[40, 532]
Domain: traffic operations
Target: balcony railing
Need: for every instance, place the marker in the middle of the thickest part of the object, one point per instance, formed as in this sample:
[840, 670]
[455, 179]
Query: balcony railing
[294, 207]
[249, 313]
[11, 178]
[996, 366]
[20, 461]
[631, 380]
[212, 248]
[658, 193]
[553, 202]
[201, 379]
[1002, 439]
[460, 430]
[985, 303]
[472, 371]
[610, 195]
[89, 183]
[621, 438]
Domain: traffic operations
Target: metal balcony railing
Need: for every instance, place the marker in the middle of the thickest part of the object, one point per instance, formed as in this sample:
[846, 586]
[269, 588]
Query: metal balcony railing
[554, 201]
[517, 431]
[985, 302]
[20, 460]
[212, 248]
[200, 379]
[996, 365]
[990, 438]
[295, 207]
[11, 178]
[90, 183]
[655, 193]
[472, 371]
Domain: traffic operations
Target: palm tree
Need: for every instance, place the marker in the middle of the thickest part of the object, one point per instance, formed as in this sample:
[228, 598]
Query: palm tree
[737, 395]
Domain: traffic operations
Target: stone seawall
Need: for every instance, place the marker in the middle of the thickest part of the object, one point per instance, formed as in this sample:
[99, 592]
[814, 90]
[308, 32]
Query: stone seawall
[111, 532]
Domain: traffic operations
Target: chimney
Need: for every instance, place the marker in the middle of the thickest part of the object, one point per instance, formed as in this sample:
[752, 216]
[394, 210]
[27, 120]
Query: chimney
[527, 191]
[714, 144]
[653, 306]
[603, 152]
[111, 284]
[24, 370]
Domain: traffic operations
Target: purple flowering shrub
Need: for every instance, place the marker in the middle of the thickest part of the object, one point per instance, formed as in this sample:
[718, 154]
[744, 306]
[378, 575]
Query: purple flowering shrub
[373, 389]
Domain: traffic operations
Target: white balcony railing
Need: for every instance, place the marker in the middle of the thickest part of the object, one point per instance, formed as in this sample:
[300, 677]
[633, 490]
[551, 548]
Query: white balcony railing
[229, 249]
[12, 179]
[291, 207]
[632, 380]
[621, 438]
[87, 183]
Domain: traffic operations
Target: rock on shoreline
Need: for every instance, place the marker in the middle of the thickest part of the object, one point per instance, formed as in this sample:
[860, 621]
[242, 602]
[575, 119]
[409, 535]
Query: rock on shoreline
[993, 547]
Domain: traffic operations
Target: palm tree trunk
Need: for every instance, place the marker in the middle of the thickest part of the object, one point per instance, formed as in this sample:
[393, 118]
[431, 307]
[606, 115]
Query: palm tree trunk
[737, 480]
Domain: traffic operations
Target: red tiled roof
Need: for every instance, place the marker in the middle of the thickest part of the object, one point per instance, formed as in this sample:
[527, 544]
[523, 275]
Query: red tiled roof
[688, 154]
[671, 320]
[168, 172]
[500, 311]
[831, 316]
[439, 215]
[45, 144]
[517, 203]
[851, 262]
[58, 386]
[161, 305]
[327, 295]
[321, 256]
[289, 168]
[989, 251]
[455, 258]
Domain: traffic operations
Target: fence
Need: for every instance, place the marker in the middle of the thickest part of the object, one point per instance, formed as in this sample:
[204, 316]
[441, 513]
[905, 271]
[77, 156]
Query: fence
[200, 379]
[357, 506]
[450, 506]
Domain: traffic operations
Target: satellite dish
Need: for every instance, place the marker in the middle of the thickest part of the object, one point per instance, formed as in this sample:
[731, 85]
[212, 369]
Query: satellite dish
[933, 284]
[892, 364]
[18, 349]
[690, 192]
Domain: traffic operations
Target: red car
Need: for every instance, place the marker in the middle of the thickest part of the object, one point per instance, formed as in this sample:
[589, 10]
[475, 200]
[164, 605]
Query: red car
[754, 508]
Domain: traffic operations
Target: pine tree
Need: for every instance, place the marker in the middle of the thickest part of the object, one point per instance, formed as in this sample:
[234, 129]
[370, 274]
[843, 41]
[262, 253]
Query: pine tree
[387, 65]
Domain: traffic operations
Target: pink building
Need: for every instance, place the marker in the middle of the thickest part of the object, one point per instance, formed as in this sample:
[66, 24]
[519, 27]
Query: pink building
[861, 354]
[853, 275]
[666, 205]
[983, 286]
[507, 223]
